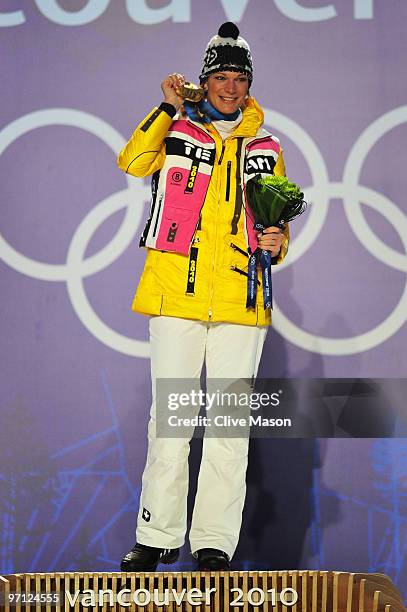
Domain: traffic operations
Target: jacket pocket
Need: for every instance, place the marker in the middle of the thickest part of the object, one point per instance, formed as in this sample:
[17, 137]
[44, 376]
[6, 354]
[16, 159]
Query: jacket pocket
[176, 229]
[176, 214]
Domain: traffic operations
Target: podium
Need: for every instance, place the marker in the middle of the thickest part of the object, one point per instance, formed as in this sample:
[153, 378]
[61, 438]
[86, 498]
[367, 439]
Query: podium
[274, 591]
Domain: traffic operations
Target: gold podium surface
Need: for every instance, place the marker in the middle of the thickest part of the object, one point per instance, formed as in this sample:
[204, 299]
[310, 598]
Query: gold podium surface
[274, 591]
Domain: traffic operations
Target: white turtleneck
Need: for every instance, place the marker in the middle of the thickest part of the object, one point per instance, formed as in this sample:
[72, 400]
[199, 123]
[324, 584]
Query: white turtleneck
[225, 128]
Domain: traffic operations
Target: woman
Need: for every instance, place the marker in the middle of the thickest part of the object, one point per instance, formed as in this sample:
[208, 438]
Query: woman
[198, 238]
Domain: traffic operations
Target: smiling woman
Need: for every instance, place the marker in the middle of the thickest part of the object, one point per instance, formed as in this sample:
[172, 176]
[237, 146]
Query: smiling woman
[194, 286]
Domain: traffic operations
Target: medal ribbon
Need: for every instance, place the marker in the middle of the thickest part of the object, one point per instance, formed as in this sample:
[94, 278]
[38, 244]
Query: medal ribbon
[263, 258]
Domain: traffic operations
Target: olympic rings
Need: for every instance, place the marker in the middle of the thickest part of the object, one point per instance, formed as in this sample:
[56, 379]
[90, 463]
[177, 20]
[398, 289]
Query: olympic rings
[77, 267]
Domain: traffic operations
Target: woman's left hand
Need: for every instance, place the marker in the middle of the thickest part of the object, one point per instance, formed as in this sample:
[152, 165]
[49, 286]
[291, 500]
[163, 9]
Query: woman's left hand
[271, 240]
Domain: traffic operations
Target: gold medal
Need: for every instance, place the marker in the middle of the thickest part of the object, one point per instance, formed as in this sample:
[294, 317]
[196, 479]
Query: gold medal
[190, 92]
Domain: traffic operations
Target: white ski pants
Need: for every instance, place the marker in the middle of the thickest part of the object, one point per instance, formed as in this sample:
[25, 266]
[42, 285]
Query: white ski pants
[179, 348]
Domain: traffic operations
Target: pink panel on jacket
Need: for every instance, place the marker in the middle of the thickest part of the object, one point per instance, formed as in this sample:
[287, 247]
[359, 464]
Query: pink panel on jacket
[185, 192]
[191, 130]
[269, 143]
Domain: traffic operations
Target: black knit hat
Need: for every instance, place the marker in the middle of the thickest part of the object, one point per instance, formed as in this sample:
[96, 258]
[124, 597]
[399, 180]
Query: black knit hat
[227, 51]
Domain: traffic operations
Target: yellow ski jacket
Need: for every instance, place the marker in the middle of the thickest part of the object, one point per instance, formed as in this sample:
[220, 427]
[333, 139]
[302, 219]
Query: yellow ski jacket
[200, 231]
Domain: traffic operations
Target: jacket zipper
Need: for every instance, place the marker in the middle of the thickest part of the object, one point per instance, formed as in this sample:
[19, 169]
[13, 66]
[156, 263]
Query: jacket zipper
[216, 235]
[242, 272]
[216, 239]
[213, 261]
[236, 248]
[160, 201]
[221, 154]
[228, 180]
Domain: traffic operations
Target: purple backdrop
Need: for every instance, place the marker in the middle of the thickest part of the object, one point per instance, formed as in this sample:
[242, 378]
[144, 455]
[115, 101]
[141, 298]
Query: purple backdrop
[77, 77]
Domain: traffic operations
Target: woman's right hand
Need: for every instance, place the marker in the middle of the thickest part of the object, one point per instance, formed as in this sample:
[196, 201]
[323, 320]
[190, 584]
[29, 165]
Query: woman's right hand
[169, 85]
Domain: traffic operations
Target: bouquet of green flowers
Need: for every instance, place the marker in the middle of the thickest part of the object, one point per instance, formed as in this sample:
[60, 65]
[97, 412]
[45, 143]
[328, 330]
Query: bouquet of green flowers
[274, 200]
